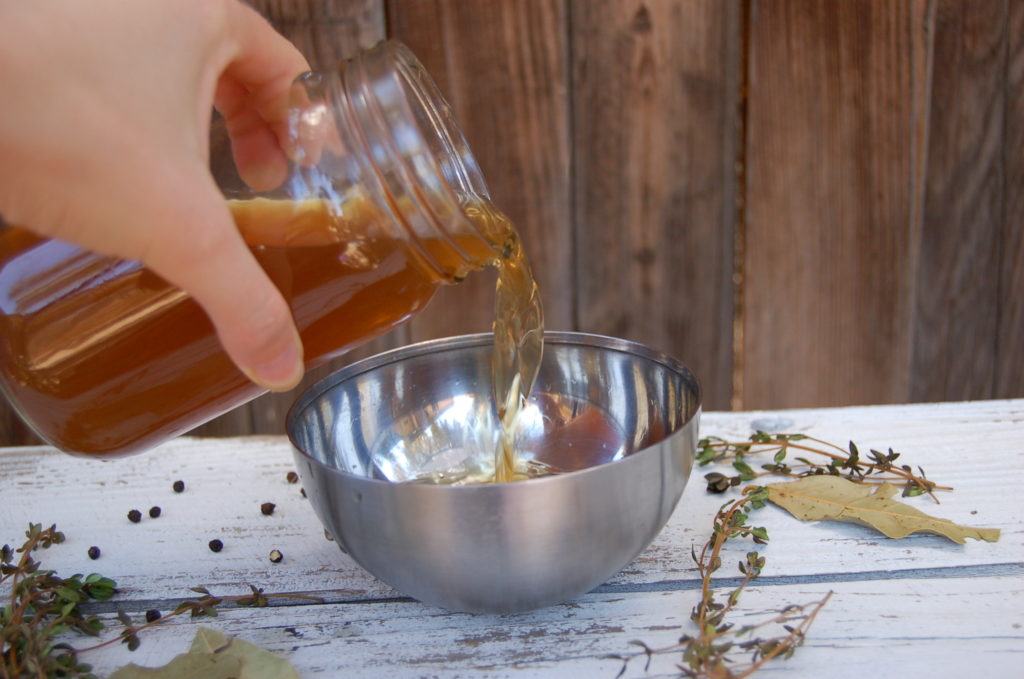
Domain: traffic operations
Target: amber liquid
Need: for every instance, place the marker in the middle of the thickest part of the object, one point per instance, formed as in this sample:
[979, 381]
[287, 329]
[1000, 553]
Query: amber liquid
[102, 356]
[518, 348]
[518, 340]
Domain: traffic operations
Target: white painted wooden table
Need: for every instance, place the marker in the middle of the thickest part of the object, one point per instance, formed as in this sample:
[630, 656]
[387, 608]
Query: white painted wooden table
[913, 607]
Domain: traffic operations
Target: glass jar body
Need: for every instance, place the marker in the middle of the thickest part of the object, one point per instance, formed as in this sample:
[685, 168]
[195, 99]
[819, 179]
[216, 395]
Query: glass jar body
[101, 356]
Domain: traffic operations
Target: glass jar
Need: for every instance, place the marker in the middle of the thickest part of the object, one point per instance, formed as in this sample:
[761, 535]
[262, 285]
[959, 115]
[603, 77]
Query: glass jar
[381, 207]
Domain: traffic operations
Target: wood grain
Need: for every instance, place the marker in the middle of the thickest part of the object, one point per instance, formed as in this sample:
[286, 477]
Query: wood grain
[948, 636]
[1009, 354]
[654, 141]
[957, 303]
[830, 145]
[227, 480]
[502, 65]
[926, 604]
[872, 250]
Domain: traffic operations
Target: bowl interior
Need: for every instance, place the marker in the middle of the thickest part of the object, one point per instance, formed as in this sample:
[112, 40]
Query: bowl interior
[427, 411]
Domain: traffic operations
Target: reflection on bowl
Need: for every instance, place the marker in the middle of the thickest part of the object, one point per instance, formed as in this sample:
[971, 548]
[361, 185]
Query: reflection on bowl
[617, 418]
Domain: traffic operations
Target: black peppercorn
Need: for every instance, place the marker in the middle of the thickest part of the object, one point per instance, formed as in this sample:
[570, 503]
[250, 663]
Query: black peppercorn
[135, 516]
[94, 552]
[276, 556]
[154, 512]
[292, 477]
[267, 508]
[216, 545]
[179, 486]
[152, 615]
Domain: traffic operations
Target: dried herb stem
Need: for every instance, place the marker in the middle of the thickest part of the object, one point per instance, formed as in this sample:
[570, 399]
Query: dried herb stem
[706, 655]
[706, 566]
[41, 606]
[205, 605]
[786, 643]
[878, 467]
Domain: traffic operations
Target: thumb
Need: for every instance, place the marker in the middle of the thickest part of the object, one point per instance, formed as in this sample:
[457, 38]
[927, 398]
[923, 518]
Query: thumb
[198, 249]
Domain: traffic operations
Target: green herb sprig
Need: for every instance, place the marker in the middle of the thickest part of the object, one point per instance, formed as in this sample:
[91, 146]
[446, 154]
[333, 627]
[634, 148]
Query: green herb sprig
[40, 607]
[204, 606]
[789, 452]
[719, 650]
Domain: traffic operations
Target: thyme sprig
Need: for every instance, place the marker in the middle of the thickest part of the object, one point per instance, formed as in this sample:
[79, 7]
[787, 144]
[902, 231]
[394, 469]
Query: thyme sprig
[204, 606]
[719, 650]
[874, 468]
[42, 606]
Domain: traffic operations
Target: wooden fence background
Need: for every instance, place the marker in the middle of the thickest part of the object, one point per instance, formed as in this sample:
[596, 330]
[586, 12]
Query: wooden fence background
[810, 202]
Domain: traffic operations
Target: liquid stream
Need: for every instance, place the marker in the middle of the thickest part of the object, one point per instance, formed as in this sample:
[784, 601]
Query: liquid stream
[518, 349]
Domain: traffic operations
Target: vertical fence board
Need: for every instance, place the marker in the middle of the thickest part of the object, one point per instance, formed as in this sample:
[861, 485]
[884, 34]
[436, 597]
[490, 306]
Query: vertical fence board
[880, 223]
[654, 130]
[830, 143]
[955, 320]
[325, 31]
[1010, 348]
[14, 432]
[502, 66]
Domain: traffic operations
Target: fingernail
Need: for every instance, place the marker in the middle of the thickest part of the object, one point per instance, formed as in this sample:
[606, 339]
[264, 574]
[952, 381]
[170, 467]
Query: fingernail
[282, 372]
[265, 176]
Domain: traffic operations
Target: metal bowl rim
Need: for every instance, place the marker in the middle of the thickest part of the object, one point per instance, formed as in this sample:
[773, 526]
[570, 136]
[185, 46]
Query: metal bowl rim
[445, 344]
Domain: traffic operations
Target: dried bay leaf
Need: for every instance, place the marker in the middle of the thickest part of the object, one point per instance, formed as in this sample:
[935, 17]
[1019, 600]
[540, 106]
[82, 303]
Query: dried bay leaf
[832, 498]
[192, 665]
[257, 662]
[208, 640]
[214, 655]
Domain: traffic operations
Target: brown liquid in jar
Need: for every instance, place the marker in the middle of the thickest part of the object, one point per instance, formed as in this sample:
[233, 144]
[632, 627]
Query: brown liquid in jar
[60, 337]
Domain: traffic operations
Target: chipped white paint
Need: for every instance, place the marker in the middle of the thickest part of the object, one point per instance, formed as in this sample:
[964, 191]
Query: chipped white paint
[917, 604]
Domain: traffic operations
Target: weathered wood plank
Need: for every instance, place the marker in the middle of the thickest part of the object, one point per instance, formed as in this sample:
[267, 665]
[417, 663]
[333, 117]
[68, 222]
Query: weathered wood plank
[502, 65]
[948, 628]
[830, 145]
[228, 479]
[922, 602]
[1009, 366]
[957, 309]
[654, 142]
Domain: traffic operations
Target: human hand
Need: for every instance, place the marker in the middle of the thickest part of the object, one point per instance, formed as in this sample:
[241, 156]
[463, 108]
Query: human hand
[104, 135]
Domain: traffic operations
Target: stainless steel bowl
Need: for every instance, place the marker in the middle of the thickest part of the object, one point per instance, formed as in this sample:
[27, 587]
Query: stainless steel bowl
[619, 418]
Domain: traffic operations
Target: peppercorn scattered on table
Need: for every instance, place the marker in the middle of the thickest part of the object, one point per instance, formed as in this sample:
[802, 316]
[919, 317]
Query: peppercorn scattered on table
[227, 516]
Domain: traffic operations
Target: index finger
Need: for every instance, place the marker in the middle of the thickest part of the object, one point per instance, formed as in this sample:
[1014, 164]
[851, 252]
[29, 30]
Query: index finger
[264, 64]
[252, 95]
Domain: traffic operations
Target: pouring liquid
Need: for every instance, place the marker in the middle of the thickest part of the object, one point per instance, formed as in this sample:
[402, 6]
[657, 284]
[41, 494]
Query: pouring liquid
[518, 339]
[518, 348]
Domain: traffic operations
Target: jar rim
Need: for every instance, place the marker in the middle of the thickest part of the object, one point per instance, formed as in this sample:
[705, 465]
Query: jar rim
[416, 148]
[419, 82]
